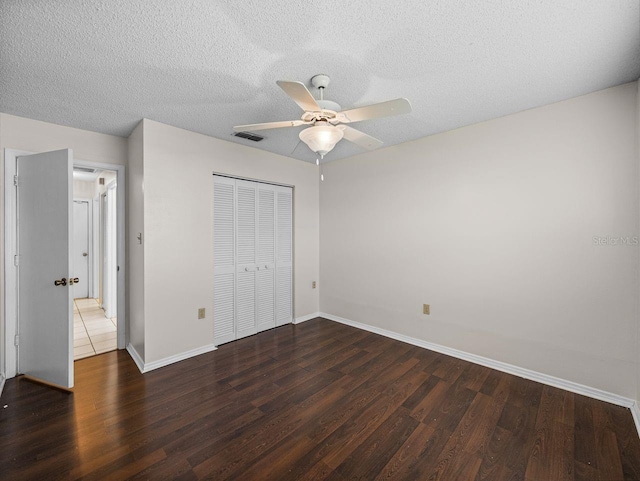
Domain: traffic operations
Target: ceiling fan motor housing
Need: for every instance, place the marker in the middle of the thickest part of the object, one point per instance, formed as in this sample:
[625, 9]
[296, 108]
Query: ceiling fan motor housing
[320, 81]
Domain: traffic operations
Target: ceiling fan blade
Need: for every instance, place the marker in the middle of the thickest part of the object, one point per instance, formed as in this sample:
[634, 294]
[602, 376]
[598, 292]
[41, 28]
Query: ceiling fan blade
[360, 138]
[269, 125]
[300, 95]
[375, 111]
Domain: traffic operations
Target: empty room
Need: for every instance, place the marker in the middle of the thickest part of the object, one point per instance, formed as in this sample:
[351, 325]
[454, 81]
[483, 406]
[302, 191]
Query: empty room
[320, 241]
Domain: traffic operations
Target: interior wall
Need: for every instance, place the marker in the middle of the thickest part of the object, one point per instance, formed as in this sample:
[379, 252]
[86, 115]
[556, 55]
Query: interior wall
[83, 189]
[135, 250]
[520, 232]
[178, 231]
[108, 176]
[29, 135]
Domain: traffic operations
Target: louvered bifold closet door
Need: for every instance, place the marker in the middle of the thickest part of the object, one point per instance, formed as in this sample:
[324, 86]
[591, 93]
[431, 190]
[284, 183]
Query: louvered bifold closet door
[246, 232]
[265, 269]
[224, 263]
[253, 250]
[284, 255]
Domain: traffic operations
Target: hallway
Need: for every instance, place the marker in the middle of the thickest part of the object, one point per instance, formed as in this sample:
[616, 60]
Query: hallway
[93, 332]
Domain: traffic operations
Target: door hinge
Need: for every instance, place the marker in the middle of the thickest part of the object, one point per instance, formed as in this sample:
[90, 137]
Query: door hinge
[16, 340]
[15, 180]
[16, 260]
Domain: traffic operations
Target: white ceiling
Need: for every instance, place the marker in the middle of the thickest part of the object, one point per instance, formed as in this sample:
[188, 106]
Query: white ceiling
[206, 66]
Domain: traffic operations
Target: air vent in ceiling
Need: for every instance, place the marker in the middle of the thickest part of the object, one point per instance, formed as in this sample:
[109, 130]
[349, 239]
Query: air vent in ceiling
[248, 136]
[87, 170]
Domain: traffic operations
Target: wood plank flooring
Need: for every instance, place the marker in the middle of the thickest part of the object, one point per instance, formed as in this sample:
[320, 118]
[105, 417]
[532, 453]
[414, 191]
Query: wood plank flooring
[315, 401]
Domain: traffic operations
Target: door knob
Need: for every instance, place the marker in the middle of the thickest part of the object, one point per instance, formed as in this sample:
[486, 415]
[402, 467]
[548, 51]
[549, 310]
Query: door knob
[84, 254]
[73, 280]
[61, 282]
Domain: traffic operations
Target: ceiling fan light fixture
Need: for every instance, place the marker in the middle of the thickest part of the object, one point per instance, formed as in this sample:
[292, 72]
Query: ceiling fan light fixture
[322, 137]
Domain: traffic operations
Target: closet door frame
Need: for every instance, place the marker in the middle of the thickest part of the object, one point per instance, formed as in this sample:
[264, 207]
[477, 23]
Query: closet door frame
[253, 267]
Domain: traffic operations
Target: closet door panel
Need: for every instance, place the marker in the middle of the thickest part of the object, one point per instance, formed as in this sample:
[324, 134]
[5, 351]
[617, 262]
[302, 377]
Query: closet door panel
[223, 308]
[266, 226]
[224, 225]
[265, 276]
[284, 270]
[224, 260]
[224, 251]
[245, 304]
[246, 227]
[265, 299]
[284, 225]
[283, 296]
[246, 231]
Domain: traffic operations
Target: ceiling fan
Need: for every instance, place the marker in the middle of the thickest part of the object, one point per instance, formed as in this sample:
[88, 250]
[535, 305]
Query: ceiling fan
[325, 119]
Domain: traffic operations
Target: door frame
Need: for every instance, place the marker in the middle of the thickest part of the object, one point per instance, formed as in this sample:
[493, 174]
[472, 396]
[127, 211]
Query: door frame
[10, 328]
[108, 245]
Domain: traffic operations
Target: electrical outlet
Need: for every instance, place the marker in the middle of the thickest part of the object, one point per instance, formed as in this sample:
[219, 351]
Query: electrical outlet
[313, 285]
[201, 313]
[426, 309]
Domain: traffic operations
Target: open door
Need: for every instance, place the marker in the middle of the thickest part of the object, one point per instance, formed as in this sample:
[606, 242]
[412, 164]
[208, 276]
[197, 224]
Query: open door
[45, 319]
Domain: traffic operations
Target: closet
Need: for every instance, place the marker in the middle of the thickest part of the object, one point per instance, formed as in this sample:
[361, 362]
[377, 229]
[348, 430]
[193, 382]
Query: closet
[252, 250]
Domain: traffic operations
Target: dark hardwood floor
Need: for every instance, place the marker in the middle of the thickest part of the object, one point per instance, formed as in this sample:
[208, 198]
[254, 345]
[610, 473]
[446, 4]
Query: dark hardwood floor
[315, 401]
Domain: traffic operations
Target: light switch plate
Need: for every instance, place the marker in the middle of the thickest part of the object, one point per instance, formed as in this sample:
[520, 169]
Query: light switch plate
[201, 313]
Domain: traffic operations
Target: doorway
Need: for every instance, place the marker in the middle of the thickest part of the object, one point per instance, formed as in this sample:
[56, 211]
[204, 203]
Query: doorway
[11, 326]
[95, 318]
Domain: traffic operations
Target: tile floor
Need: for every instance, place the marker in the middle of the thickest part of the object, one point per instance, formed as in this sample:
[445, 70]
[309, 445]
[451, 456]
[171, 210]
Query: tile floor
[93, 333]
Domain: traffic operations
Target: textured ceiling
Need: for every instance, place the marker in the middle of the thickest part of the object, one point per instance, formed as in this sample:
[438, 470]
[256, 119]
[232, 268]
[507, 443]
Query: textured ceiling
[206, 66]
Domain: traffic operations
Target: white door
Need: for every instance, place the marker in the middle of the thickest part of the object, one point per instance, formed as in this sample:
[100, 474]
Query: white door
[81, 248]
[266, 258]
[245, 259]
[45, 227]
[252, 236]
[224, 266]
[284, 264]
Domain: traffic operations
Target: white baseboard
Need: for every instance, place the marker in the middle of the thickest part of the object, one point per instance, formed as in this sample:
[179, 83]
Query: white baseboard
[501, 366]
[308, 317]
[150, 366]
[635, 412]
[2, 380]
[136, 357]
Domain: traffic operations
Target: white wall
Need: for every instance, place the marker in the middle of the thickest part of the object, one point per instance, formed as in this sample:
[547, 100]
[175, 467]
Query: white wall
[178, 231]
[29, 135]
[108, 176]
[35, 136]
[83, 189]
[493, 225]
[135, 250]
